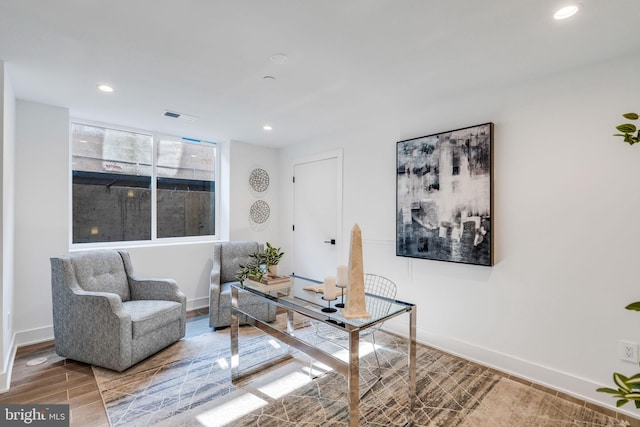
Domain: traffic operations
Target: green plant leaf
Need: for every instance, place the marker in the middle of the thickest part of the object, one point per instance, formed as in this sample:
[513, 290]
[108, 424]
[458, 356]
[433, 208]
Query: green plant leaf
[626, 128]
[608, 390]
[631, 116]
[637, 403]
[621, 381]
[621, 402]
[632, 396]
[634, 306]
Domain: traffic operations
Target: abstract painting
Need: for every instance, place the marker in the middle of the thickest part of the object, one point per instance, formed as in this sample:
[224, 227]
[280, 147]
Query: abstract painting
[444, 196]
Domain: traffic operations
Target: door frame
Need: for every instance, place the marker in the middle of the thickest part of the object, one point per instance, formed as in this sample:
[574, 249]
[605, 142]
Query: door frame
[327, 155]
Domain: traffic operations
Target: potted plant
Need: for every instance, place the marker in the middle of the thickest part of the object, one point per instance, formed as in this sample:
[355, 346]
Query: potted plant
[271, 257]
[251, 271]
[265, 263]
[628, 387]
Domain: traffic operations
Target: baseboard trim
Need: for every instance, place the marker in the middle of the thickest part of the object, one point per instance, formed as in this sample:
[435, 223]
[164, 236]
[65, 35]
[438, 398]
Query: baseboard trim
[563, 382]
[198, 303]
[34, 336]
[5, 375]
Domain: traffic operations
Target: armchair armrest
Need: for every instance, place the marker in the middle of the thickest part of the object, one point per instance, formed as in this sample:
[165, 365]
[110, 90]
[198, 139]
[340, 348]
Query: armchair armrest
[215, 287]
[214, 278]
[151, 289]
[100, 300]
[155, 289]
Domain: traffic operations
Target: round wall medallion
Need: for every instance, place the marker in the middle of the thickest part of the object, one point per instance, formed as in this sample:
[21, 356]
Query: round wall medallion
[259, 180]
[259, 211]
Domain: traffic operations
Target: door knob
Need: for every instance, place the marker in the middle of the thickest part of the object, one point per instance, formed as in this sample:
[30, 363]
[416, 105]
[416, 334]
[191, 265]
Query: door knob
[332, 241]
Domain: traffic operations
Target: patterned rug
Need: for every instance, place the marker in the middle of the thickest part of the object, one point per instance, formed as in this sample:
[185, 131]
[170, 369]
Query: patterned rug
[188, 384]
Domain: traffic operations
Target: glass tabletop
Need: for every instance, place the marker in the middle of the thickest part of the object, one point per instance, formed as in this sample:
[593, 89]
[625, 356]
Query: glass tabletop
[311, 303]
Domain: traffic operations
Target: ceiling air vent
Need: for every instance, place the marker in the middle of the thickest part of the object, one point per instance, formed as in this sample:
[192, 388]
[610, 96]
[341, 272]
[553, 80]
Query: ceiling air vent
[185, 117]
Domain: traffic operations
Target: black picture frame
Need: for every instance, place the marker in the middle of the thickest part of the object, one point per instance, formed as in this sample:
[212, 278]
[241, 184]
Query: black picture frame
[444, 196]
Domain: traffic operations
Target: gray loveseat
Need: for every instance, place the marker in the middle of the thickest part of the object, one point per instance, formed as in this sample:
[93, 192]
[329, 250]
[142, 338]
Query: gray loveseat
[227, 257]
[104, 315]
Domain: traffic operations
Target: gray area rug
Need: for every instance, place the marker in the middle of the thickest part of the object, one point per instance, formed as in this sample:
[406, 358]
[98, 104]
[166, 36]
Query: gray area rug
[188, 384]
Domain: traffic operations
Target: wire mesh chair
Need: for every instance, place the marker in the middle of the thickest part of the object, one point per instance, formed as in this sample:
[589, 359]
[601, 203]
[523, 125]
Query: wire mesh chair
[374, 285]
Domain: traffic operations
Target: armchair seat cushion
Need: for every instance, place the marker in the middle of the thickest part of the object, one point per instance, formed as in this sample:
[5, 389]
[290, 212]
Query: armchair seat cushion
[150, 315]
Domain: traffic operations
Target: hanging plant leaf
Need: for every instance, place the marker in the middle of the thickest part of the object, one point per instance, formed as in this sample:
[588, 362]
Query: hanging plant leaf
[608, 390]
[626, 128]
[621, 402]
[621, 381]
[634, 380]
[634, 306]
[630, 116]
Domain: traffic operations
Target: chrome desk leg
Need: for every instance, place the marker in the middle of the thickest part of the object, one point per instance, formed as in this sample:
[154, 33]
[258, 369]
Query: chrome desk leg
[412, 362]
[235, 326]
[353, 379]
[290, 327]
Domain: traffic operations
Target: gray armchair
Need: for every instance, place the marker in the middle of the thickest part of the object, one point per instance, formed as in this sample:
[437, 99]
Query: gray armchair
[104, 315]
[227, 256]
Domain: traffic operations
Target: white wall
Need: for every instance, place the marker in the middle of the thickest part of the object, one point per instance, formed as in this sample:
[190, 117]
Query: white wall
[7, 195]
[566, 237]
[42, 212]
[42, 218]
[246, 157]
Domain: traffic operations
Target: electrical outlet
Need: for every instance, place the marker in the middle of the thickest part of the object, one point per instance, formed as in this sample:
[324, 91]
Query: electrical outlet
[629, 351]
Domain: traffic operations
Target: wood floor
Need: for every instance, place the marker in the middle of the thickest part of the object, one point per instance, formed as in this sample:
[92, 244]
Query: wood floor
[63, 381]
[56, 381]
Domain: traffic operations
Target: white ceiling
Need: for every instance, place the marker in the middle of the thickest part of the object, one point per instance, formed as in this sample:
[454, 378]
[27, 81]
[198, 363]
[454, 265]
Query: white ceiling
[351, 62]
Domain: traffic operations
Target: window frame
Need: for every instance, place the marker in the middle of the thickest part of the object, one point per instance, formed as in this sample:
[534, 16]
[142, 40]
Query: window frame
[154, 240]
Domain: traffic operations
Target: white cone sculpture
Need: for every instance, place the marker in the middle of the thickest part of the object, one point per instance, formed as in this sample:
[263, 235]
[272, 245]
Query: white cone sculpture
[355, 307]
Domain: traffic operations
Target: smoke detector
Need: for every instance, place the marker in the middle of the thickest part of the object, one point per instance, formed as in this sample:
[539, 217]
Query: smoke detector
[279, 58]
[175, 115]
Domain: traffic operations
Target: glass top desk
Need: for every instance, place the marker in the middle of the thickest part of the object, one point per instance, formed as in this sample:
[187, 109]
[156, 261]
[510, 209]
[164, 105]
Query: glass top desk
[310, 304]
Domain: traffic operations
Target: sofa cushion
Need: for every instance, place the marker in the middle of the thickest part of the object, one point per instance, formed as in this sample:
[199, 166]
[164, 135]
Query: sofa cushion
[149, 315]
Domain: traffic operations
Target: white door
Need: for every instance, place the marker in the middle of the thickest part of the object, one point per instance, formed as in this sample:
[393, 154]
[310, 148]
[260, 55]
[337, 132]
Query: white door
[317, 200]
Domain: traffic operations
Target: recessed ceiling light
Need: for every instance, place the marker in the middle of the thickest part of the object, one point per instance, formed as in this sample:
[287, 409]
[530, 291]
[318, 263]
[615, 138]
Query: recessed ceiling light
[269, 78]
[105, 88]
[194, 155]
[279, 58]
[267, 127]
[566, 12]
[84, 141]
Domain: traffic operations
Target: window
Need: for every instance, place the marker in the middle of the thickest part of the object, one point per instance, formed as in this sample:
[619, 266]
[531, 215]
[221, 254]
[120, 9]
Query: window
[185, 174]
[130, 186]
